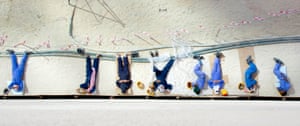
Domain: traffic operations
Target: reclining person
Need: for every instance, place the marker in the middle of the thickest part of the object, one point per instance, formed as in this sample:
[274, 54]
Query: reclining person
[216, 83]
[198, 85]
[284, 84]
[160, 84]
[124, 81]
[251, 83]
[89, 86]
[18, 70]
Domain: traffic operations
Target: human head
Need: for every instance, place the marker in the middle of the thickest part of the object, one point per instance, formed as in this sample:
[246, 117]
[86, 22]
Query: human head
[283, 93]
[161, 88]
[5, 91]
[15, 87]
[220, 55]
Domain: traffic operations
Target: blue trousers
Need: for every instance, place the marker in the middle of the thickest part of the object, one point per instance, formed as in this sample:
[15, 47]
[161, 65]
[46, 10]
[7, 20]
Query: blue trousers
[200, 75]
[124, 74]
[216, 74]
[123, 68]
[89, 71]
[249, 79]
[283, 80]
[18, 71]
[161, 75]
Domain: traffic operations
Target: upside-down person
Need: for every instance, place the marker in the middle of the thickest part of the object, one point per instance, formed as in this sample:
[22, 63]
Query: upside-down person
[18, 70]
[89, 85]
[216, 83]
[251, 83]
[198, 85]
[160, 84]
[284, 84]
[124, 81]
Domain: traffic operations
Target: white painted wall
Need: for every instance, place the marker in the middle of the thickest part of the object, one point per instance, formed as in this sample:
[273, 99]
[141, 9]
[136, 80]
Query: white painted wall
[204, 21]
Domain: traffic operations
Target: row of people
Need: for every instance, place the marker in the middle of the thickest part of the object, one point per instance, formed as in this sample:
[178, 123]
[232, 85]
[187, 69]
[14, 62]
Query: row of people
[216, 83]
[124, 82]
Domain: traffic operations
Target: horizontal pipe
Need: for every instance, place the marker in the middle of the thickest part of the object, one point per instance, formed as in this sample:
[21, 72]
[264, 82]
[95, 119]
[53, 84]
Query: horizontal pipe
[209, 49]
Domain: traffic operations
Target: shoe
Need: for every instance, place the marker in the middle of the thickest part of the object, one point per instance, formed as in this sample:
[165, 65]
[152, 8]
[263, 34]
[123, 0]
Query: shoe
[10, 51]
[99, 55]
[28, 52]
[277, 60]
[156, 53]
[219, 54]
[81, 91]
[80, 51]
[249, 59]
[5, 91]
[152, 54]
[135, 54]
[201, 57]
[198, 57]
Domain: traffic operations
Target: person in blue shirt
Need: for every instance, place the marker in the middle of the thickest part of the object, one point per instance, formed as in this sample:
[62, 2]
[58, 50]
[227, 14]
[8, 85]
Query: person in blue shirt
[17, 72]
[251, 83]
[284, 84]
[198, 85]
[216, 82]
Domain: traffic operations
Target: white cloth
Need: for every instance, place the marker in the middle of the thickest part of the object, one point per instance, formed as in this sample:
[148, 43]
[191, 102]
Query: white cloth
[282, 70]
[14, 92]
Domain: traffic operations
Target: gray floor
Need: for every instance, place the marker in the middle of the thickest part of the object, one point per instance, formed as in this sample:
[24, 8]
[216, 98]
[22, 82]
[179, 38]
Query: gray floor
[148, 113]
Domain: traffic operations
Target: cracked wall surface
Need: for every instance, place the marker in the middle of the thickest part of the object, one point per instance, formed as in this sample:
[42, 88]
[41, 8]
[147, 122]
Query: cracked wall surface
[116, 26]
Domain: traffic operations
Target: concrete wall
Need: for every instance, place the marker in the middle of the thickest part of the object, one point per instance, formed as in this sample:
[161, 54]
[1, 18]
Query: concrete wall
[116, 26]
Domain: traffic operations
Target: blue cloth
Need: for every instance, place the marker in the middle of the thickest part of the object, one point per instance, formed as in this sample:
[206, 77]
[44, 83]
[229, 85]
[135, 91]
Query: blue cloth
[200, 75]
[18, 72]
[283, 80]
[89, 71]
[161, 75]
[124, 74]
[216, 74]
[123, 68]
[250, 81]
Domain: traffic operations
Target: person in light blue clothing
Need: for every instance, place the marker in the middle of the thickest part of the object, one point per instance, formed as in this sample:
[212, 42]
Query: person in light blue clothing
[198, 85]
[17, 72]
[216, 82]
[250, 73]
[284, 84]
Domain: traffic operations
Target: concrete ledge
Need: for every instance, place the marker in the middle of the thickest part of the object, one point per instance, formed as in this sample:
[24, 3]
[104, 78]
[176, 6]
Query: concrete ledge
[143, 97]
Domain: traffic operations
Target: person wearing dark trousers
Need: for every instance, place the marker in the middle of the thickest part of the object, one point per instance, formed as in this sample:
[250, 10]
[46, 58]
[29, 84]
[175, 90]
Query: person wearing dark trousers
[89, 85]
[124, 81]
[160, 83]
